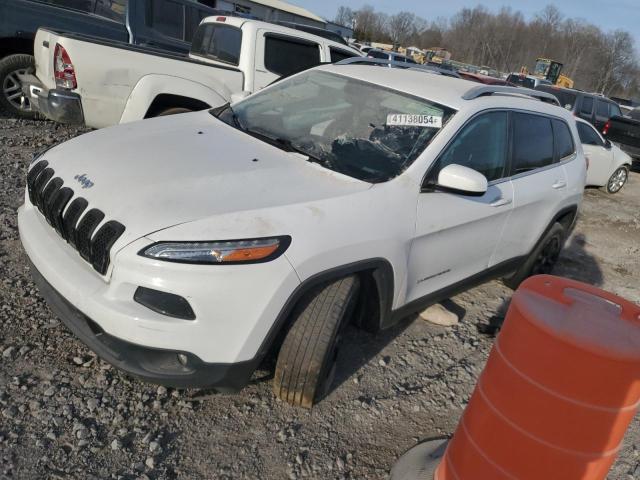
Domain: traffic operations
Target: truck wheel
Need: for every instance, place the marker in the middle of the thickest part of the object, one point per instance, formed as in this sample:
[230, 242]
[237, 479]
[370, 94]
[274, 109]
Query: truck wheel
[307, 359]
[173, 111]
[12, 68]
[542, 259]
[617, 180]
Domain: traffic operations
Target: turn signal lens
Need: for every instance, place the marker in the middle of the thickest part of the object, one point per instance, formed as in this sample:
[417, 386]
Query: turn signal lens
[241, 251]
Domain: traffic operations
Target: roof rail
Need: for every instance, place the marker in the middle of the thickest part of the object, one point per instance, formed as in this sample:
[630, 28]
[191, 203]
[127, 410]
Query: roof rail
[483, 90]
[381, 62]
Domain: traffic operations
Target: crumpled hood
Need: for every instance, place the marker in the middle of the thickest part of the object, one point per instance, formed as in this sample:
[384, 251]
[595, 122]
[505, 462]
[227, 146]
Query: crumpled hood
[154, 174]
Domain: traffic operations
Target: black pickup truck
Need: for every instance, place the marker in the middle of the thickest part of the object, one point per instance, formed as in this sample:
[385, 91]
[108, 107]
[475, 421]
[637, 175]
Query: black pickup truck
[162, 24]
[625, 131]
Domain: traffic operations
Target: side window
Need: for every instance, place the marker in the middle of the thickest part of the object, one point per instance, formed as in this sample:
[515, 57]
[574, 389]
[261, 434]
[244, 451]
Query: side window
[338, 55]
[166, 17]
[588, 135]
[563, 140]
[218, 42]
[532, 142]
[285, 57]
[384, 56]
[586, 106]
[82, 5]
[615, 110]
[112, 9]
[602, 110]
[480, 145]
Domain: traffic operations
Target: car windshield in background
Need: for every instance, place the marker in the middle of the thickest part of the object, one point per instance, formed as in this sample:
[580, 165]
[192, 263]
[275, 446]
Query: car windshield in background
[566, 98]
[521, 81]
[356, 128]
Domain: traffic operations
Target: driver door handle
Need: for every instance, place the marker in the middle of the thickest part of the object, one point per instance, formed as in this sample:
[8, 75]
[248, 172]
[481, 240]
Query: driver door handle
[559, 184]
[500, 202]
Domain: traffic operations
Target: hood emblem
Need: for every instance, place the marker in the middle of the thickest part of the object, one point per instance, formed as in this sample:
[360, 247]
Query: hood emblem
[84, 181]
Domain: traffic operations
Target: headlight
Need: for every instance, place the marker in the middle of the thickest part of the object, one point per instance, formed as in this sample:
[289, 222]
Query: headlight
[223, 252]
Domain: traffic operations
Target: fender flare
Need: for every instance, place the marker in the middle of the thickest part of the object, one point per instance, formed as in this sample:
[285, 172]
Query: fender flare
[150, 86]
[381, 271]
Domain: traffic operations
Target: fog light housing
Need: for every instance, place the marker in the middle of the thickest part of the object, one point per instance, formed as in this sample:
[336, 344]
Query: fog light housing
[164, 303]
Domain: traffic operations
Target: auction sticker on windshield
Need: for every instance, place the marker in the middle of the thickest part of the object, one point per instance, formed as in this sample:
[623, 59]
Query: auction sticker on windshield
[413, 120]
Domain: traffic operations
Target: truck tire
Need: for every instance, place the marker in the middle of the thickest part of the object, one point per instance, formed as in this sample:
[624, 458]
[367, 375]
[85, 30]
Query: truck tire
[617, 180]
[543, 258]
[307, 359]
[173, 111]
[11, 99]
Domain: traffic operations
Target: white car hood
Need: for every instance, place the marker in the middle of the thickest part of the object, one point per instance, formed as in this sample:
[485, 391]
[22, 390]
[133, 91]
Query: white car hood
[154, 174]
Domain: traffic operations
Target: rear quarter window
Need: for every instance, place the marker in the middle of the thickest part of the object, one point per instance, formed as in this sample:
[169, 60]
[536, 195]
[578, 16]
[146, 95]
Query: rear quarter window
[218, 42]
[532, 142]
[338, 54]
[112, 9]
[586, 105]
[166, 17]
[563, 140]
[602, 109]
[285, 56]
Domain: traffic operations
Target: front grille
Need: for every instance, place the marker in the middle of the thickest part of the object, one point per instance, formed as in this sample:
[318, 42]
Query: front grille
[53, 200]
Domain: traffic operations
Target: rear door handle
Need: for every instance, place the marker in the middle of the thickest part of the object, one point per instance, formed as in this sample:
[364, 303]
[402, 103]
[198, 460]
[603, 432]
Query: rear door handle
[500, 202]
[559, 184]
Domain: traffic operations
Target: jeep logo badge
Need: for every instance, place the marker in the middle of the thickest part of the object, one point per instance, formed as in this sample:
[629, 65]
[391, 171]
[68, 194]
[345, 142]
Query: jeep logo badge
[84, 181]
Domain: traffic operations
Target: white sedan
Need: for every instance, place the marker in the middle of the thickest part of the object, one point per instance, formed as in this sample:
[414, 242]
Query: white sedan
[608, 164]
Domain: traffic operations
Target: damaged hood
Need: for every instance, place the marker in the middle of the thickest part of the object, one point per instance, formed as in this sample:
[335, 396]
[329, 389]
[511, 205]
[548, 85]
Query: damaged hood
[154, 174]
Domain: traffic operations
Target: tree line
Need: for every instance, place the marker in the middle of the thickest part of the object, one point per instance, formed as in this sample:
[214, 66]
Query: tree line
[598, 61]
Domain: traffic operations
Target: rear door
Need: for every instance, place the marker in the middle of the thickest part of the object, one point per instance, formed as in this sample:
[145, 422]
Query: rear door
[539, 180]
[457, 234]
[279, 55]
[600, 158]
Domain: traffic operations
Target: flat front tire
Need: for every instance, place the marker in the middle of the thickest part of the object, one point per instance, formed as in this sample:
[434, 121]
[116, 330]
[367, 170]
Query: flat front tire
[543, 258]
[307, 359]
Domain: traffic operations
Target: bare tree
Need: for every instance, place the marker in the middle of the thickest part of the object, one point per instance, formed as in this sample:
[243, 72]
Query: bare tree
[401, 27]
[345, 16]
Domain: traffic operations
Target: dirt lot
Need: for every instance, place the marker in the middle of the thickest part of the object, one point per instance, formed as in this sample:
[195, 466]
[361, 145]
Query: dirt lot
[65, 414]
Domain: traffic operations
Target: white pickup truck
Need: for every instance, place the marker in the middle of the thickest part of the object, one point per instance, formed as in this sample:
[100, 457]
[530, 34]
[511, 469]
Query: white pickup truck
[83, 79]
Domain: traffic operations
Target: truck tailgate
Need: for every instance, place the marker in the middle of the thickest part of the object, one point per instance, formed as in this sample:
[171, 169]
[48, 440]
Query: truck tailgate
[625, 131]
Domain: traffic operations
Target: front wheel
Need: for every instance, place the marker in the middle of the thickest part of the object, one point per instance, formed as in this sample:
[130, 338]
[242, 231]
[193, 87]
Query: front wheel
[617, 180]
[543, 258]
[307, 359]
[12, 71]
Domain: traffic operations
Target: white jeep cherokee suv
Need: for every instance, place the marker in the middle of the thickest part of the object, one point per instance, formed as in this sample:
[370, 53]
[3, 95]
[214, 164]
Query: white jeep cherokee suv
[183, 249]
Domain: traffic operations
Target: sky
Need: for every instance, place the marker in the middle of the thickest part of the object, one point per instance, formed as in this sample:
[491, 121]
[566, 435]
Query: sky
[607, 14]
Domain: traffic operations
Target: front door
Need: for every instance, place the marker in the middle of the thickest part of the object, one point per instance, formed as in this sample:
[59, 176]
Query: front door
[600, 158]
[456, 234]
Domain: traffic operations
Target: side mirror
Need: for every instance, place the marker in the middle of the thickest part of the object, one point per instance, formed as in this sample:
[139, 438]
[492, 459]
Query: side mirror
[464, 180]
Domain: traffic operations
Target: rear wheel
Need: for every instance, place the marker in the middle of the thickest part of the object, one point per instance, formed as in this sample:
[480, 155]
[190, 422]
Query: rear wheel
[12, 71]
[307, 360]
[543, 258]
[173, 111]
[617, 180]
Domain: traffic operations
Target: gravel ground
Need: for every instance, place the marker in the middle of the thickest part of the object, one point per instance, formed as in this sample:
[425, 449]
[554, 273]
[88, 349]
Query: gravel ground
[66, 414]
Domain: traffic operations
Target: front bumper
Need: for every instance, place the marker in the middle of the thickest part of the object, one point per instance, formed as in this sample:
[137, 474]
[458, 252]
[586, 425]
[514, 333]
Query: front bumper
[224, 339]
[57, 104]
[148, 364]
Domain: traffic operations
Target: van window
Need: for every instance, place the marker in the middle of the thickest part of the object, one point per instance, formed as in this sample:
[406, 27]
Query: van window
[112, 9]
[602, 109]
[586, 106]
[533, 142]
[382, 55]
[563, 140]
[588, 135]
[338, 54]
[285, 56]
[218, 42]
[480, 145]
[566, 98]
[166, 17]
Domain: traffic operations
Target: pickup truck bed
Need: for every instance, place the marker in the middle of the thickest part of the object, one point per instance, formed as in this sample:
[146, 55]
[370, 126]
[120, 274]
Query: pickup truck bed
[105, 87]
[626, 132]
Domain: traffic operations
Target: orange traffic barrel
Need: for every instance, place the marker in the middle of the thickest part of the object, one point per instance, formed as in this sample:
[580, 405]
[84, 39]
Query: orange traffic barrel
[558, 392]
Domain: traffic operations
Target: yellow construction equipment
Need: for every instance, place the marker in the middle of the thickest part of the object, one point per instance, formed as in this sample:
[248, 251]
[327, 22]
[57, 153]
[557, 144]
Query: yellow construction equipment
[551, 70]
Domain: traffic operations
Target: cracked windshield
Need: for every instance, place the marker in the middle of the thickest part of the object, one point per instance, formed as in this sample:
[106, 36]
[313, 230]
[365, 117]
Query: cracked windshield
[359, 129]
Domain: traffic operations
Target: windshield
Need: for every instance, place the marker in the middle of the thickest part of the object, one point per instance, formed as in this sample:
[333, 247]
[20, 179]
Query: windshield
[362, 130]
